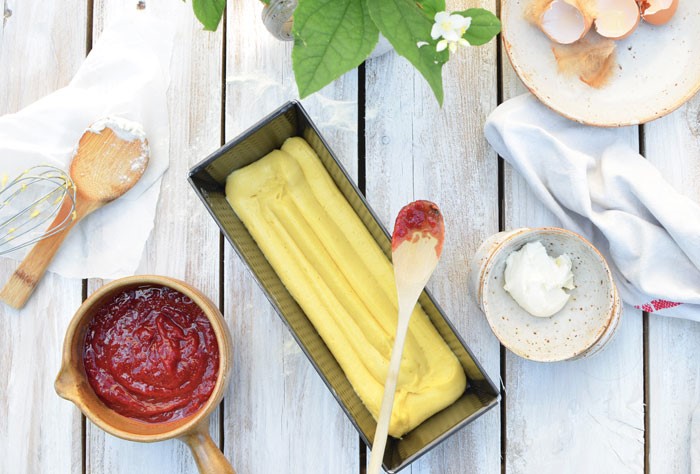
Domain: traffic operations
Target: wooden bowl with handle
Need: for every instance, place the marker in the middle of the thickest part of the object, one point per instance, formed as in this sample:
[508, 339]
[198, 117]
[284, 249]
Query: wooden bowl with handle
[72, 383]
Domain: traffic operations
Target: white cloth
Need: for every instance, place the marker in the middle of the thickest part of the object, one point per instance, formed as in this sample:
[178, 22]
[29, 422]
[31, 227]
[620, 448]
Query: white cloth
[695, 442]
[601, 188]
[126, 75]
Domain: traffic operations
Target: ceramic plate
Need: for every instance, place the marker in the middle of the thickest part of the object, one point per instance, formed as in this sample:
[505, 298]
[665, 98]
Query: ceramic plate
[659, 69]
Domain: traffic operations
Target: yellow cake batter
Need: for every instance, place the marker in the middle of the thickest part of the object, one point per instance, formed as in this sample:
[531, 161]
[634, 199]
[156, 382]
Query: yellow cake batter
[334, 269]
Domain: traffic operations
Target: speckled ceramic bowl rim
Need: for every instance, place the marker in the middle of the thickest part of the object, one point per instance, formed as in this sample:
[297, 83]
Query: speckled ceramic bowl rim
[524, 79]
[607, 335]
[608, 327]
[489, 259]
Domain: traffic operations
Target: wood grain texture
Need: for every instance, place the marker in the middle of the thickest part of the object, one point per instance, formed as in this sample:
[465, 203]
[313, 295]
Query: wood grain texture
[280, 417]
[584, 416]
[580, 417]
[39, 432]
[415, 150]
[42, 44]
[185, 241]
[673, 146]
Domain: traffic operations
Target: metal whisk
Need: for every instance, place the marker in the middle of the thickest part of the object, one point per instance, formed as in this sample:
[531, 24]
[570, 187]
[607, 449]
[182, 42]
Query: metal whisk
[38, 203]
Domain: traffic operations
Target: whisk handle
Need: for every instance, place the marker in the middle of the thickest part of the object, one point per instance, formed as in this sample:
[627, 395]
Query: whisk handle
[26, 277]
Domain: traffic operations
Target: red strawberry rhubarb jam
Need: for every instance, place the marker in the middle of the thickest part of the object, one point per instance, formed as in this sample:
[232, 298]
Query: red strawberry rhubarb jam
[422, 217]
[151, 354]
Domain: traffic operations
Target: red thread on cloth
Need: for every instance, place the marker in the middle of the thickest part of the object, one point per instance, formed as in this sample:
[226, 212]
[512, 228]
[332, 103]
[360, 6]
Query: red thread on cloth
[657, 305]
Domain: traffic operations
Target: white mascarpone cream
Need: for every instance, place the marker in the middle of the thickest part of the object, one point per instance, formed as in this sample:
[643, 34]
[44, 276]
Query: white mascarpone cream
[536, 281]
[126, 129]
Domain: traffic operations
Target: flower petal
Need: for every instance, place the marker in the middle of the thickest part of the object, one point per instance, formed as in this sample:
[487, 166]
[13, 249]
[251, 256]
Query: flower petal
[441, 16]
[460, 23]
[436, 32]
[458, 20]
[451, 35]
[442, 44]
[465, 27]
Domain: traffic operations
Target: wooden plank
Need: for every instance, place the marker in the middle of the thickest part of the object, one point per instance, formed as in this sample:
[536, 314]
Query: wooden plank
[279, 416]
[416, 150]
[52, 34]
[39, 432]
[673, 145]
[580, 416]
[185, 241]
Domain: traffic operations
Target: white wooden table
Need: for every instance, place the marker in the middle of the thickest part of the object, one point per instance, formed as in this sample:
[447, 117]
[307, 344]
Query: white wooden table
[624, 411]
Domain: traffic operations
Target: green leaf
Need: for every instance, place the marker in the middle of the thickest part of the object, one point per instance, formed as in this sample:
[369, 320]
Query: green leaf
[331, 37]
[431, 7]
[485, 25]
[209, 12]
[406, 26]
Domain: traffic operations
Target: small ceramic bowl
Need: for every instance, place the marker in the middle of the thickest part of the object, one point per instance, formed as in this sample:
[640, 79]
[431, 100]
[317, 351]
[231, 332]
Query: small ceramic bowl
[72, 384]
[582, 328]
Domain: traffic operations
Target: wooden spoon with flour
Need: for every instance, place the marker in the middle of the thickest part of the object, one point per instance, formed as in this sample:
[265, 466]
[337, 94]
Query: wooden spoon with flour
[112, 156]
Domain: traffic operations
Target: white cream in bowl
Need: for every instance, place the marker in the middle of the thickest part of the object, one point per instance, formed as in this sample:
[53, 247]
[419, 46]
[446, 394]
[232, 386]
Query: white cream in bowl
[538, 282]
[582, 327]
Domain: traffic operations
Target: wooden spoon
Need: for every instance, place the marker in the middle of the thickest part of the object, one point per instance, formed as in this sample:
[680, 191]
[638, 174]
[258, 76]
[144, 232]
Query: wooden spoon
[416, 245]
[109, 161]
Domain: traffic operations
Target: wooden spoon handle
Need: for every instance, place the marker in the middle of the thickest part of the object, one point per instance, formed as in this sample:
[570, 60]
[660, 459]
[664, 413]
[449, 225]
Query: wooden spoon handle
[25, 279]
[209, 459]
[382, 431]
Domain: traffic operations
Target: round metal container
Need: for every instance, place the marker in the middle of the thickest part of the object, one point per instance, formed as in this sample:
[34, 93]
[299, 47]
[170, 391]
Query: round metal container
[278, 18]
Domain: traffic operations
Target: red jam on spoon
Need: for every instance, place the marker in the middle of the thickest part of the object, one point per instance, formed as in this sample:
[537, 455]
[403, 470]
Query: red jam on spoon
[419, 219]
[151, 354]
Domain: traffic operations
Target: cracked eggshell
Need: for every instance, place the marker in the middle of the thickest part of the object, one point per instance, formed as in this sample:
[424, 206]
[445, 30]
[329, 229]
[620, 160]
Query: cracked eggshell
[657, 69]
[658, 12]
[565, 22]
[616, 19]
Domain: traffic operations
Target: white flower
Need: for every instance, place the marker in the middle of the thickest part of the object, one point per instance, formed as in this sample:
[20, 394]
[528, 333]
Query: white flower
[442, 44]
[450, 28]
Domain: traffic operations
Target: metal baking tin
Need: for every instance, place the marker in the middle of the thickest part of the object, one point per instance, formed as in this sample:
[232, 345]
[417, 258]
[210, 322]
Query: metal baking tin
[208, 179]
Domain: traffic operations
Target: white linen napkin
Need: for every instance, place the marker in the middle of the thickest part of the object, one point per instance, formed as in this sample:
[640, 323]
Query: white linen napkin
[125, 75]
[601, 188]
[695, 442]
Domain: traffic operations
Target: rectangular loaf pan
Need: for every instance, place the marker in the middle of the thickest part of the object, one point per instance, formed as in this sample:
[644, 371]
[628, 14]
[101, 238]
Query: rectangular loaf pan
[208, 180]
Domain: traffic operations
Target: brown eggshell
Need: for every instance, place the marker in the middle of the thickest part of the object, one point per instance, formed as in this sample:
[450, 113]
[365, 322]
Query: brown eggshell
[659, 17]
